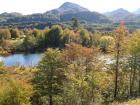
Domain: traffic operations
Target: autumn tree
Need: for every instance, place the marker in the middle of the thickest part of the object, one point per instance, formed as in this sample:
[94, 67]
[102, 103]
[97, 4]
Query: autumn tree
[48, 81]
[5, 34]
[120, 33]
[68, 37]
[81, 67]
[15, 33]
[85, 37]
[106, 44]
[36, 32]
[133, 48]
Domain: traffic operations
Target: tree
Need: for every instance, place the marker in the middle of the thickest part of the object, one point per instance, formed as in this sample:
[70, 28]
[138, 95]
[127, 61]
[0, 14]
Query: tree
[120, 32]
[75, 23]
[5, 34]
[36, 33]
[29, 44]
[41, 41]
[80, 89]
[95, 39]
[68, 37]
[106, 43]
[15, 33]
[85, 37]
[53, 37]
[48, 81]
[75, 52]
[133, 48]
[5, 44]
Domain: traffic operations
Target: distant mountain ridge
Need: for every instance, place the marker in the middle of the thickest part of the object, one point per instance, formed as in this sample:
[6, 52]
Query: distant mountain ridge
[65, 12]
[69, 10]
[12, 14]
[120, 15]
[90, 17]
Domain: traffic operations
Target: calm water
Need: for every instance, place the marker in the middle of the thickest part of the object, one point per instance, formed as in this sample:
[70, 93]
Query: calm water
[33, 59]
[21, 59]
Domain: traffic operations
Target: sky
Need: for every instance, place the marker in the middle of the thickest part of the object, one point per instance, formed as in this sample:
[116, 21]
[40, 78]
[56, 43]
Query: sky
[41, 6]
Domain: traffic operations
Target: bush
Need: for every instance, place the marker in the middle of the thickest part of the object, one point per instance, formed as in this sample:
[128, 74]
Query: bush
[12, 93]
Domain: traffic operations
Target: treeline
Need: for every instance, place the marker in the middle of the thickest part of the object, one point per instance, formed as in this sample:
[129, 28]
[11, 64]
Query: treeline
[32, 40]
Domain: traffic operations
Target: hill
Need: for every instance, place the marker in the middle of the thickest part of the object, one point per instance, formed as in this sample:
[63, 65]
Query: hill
[120, 15]
[5, 16]
[12, 14]
[64, 13]
[67, 8]
[90, 17]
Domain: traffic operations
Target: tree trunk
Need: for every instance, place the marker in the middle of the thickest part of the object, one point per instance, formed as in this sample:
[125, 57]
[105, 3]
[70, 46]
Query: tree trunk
[133, 77]
[131, 83]
[116, 72]
[139, 84]
[139, 87]
[50, 99]
[50, 87]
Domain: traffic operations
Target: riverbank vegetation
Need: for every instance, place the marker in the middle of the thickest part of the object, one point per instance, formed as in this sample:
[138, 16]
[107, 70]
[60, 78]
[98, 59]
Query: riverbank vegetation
[71, 71]
[34, 40]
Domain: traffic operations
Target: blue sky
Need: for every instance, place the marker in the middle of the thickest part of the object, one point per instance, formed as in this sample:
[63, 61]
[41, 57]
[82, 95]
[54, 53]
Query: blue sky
[40, 6]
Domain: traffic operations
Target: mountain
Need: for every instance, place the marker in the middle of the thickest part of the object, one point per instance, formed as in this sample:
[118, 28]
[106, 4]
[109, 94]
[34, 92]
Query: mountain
[90, 17]
[120, 15]
[6, 16]
[137, 11]
[67, 8]
[12, 14]
[62, 14]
